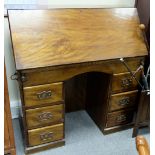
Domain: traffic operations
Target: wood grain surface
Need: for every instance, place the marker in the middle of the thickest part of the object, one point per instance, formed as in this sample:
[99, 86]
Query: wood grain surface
[43, 147]
[52, 133]
[44, 116]
[55, 74]
[124, 82]
[119, 118]
[9, 140]
[75, 93]
[123, 100]
[44, 38]
[31, 97]
[142, 145]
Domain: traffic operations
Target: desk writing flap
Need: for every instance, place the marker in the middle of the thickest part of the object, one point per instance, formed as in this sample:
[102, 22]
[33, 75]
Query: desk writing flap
[44, 38]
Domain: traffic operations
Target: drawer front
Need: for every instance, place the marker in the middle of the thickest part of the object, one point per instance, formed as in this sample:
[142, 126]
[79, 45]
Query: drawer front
[42, 94]
[124, 82]
[123, 100]
[119, 118]
[62, 73]
[43, 116]
[45, 135]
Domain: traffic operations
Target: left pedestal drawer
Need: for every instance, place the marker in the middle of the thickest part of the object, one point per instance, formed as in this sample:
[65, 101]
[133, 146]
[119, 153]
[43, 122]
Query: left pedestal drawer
[48, 115]
[44, 135]
[42, 95]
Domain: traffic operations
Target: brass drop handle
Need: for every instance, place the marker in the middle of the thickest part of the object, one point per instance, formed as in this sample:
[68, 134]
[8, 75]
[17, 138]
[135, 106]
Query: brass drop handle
[121, 118]
[45, 116]
[46, 136]
[126, 83]
[44, 94]
[124, 101]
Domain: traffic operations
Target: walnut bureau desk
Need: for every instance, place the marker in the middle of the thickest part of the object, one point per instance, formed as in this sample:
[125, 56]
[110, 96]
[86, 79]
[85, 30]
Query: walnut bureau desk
[52, 46]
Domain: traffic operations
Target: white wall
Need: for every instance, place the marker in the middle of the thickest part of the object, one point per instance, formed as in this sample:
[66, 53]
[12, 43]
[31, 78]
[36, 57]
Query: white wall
[78, 3]
[10, 66]
[90, 3]
[10, 70]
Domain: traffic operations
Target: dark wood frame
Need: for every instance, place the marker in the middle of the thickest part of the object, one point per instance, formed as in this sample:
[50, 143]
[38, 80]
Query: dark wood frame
[143, 111]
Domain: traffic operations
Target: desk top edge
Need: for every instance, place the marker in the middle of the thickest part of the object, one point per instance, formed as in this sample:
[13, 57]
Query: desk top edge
[20, 62]
[71, 65]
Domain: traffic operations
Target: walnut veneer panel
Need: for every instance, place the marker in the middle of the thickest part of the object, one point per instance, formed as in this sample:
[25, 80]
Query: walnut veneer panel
[46, 134]
[119, 118]
[123, 100]
[44, 116]
[124, 82]
[44, 38]
[43, 94]
[55, 74]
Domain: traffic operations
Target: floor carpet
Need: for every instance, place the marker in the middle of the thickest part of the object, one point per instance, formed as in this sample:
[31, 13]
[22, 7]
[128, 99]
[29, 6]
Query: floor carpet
[83, 137]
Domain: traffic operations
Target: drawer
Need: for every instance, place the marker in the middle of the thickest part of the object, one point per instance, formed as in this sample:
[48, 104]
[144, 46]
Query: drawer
[42, 94]
[123, 100]
[65, 72]
[43, 116]
[124, 82]
[45, 135]
[119, 118]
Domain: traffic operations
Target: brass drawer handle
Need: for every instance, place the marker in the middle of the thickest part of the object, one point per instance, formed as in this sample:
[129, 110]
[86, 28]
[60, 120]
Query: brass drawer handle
[45, 116]
[126, 83]
[44, 94]
[121, 118]
[124, 101]
[46, 136]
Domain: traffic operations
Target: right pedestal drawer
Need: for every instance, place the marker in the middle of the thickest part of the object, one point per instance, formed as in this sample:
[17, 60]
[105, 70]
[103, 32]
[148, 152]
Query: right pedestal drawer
[119, 118]
[124, 82]
[123, 100]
